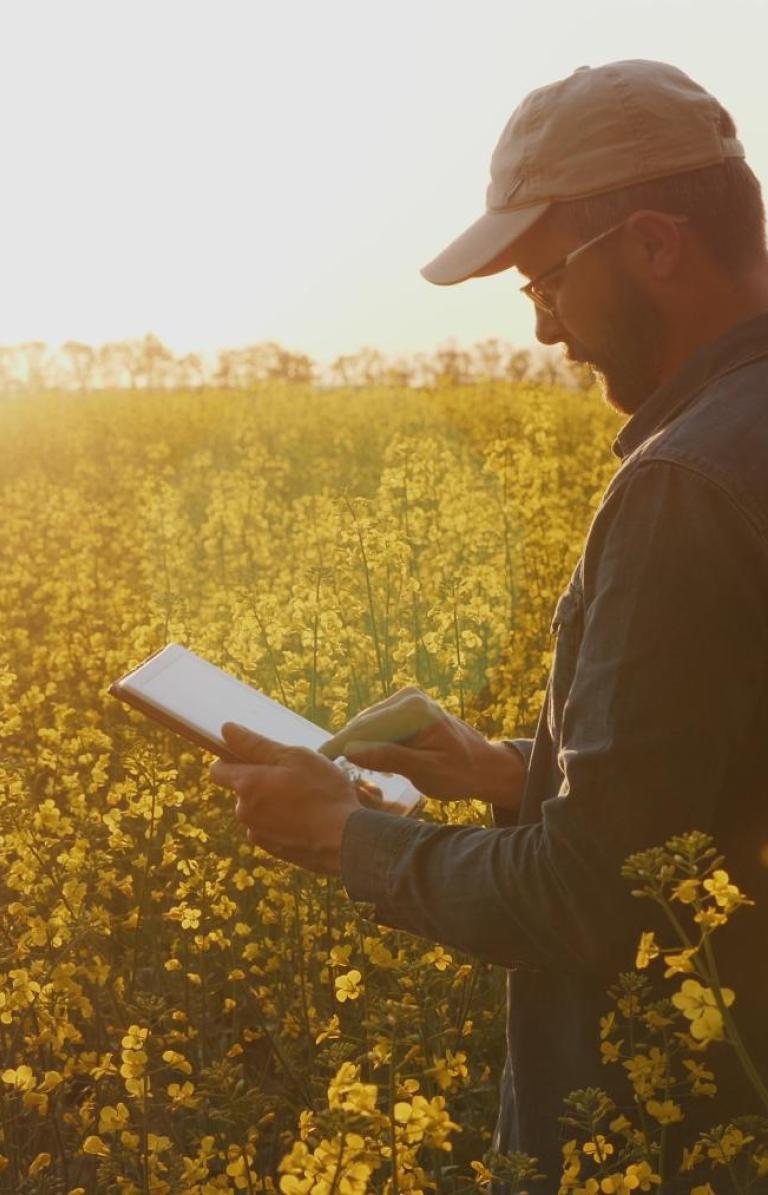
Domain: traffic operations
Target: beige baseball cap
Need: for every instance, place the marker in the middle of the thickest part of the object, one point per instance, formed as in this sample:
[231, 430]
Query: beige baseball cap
[599, 129]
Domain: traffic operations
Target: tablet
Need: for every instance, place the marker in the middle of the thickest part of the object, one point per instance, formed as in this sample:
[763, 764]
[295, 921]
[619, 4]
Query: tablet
[193, 697]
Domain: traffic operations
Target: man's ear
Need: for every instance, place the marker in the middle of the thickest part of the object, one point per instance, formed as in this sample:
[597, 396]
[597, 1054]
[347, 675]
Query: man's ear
[656, 243]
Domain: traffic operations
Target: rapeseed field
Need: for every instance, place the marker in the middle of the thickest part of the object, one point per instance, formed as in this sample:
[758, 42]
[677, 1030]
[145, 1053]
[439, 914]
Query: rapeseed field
[179, 1012]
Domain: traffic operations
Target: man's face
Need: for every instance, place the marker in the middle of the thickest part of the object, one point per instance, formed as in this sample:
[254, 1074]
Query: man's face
[602, 315]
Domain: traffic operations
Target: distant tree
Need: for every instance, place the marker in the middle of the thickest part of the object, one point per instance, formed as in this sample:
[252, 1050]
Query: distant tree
[549, 370]
[188, 372]
[36, 365]
[341, 371]
[366, 367]
[225, 369]
[119, 364]
[9, 363]
[487, 359]
[400, 372]
[423, 370]
[578, 375]
[451, 366]
[80, 361]
[518, 365]
[155, 362]
[291, 367]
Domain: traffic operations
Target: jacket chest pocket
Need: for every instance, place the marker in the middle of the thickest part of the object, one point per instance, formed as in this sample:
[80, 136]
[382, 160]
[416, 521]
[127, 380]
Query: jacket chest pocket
[568, 626]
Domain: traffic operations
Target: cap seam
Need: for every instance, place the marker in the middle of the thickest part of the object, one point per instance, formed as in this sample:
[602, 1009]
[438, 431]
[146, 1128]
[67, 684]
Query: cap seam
[616, 186]
[633, 113]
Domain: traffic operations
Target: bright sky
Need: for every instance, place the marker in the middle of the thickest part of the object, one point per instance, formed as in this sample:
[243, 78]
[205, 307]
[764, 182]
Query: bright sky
[222, 172]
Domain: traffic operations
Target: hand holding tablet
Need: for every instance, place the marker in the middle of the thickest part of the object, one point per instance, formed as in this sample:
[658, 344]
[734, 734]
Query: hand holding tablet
[194, 698]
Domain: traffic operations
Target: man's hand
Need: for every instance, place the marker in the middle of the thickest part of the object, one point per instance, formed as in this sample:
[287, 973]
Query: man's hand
[442, 756]
[294, 802]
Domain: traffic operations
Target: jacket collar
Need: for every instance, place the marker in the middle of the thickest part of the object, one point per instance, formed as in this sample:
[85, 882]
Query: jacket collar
[741, 344]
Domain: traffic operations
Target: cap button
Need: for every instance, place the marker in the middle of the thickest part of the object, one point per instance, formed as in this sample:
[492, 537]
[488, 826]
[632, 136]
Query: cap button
[582, 68]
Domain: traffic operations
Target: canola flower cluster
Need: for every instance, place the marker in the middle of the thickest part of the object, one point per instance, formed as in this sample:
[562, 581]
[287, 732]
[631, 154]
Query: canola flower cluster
[178, 1012]
[660, 1042]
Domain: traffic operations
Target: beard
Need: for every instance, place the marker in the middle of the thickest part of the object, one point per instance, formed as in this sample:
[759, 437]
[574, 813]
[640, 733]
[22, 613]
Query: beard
[631, 340]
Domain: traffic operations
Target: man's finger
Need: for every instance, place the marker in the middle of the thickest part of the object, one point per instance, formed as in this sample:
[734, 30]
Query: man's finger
[367, 718]
[250, 746]
[225, 774]
[247, 808]
[239, 776]
[405, 717]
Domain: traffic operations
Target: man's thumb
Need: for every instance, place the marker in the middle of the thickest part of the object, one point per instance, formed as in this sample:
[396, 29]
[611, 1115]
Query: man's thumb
[379, 757]
[248, 745]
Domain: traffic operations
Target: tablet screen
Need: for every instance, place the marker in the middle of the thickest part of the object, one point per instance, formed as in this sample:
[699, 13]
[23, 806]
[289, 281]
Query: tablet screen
[203, 696]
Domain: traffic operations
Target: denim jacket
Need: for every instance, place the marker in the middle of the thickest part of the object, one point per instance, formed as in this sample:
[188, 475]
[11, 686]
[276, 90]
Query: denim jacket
[655, 721]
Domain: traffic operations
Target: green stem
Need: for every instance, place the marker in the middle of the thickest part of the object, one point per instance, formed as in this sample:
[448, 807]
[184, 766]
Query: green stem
[145, 1137]
[392, 1124]
[710, 976]
[456, 632]
[733, 1034]
[371, 605]
[337, 1172]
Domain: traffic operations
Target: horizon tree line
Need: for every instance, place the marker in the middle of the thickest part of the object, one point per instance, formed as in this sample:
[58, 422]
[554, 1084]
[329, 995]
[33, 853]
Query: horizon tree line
[148, 364]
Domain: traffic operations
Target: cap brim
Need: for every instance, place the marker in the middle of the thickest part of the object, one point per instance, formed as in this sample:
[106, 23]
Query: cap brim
[476, 251]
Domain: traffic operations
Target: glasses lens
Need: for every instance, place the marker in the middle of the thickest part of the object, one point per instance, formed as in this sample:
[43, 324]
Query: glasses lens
[543, 299]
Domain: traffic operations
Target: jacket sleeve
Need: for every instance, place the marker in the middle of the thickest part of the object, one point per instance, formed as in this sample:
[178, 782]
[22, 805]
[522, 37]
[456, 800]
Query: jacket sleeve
[666, 683]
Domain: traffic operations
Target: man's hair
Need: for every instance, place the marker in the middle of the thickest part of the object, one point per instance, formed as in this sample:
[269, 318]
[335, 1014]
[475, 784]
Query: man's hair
[724, 204]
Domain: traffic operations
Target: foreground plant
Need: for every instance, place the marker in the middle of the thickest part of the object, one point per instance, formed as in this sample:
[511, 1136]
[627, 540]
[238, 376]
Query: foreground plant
[660, 1043]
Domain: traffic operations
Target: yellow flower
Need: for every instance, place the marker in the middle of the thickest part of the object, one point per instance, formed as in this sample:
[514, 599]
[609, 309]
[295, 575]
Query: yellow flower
[599, 1148]
[112, 1119]
[641, 1177]
[647, 1072]
[348, 986]
[451, 1071]
[619, 1124]
[96, 1147]
[760, 1162]
[698, 1004]
[710, 919]
[730, 1144]
[700, 1078]
[425, 1120]
[439, 956]
[665, 1111]
[135, 1038]
[378, 953]
[41, 1162]
[726, 894]
[338, 956]
[177, 1061]
[647, 950]
[345, 1091]
[686, 891]
[21, 1079]
[606, 1025]
[692, 1157]
[331, 1032]
[482, 1174]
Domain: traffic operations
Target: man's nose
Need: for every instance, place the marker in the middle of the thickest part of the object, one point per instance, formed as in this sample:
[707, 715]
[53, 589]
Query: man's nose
[549, 329]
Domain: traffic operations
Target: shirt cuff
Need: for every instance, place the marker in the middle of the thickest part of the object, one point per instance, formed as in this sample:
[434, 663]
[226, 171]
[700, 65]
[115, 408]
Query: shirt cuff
[506, 817]
[371, 842]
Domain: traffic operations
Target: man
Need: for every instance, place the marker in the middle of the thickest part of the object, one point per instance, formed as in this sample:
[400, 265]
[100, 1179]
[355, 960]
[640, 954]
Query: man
[622, 193]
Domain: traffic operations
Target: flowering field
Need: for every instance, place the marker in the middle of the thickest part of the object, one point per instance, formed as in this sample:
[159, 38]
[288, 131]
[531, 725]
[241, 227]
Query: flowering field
[179, 1013]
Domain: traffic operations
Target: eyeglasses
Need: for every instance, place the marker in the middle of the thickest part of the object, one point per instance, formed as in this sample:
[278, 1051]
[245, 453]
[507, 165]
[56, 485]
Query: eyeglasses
[537, 290]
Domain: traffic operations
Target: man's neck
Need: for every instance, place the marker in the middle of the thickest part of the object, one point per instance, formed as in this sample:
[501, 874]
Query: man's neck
[704, 323]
